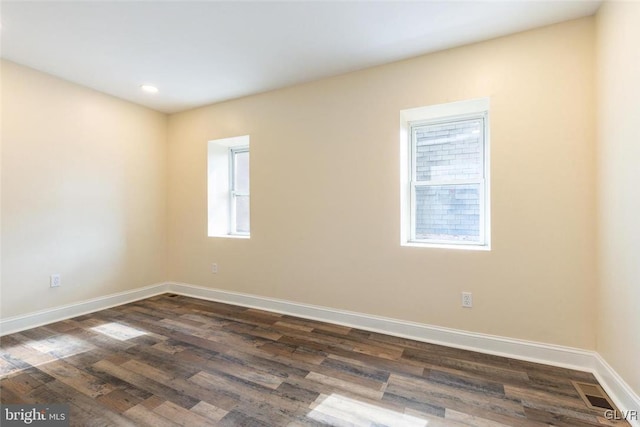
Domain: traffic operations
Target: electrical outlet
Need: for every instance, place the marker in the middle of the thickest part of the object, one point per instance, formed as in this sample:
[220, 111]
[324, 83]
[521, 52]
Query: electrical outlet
[55, 280]
[467, 300]
[214, 268]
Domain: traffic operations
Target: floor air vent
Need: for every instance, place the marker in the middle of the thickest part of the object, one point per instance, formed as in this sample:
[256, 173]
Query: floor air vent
[594, 396]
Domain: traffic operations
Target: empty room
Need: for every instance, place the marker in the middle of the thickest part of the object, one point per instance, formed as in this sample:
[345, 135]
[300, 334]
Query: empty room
[320, 213]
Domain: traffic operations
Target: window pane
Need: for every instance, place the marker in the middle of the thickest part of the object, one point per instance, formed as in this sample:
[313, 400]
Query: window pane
[448, 212]
[241, 169]
[449, 151]
[242, 214]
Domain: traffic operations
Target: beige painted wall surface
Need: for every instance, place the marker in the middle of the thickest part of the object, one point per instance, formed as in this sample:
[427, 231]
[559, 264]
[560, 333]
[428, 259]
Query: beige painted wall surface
[83, 192]
[325, 191]
[619, 198]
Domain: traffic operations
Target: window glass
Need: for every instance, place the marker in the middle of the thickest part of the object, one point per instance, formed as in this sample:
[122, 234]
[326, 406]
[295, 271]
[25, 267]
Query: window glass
[449, 151]
[447, 212]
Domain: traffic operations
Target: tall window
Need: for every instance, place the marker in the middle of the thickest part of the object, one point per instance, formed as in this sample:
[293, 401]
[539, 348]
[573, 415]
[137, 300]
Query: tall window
[446, 201]
[239, 190]
[228, 187]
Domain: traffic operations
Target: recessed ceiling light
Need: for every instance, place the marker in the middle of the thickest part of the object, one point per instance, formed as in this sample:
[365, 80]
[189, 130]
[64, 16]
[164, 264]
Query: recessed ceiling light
[149, 88]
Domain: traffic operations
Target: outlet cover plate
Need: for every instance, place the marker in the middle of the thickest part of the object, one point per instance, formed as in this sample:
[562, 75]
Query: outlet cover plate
[54, 280]
[467, 300]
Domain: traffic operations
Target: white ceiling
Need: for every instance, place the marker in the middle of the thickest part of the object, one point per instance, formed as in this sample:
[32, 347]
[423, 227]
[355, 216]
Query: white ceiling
[199, 53]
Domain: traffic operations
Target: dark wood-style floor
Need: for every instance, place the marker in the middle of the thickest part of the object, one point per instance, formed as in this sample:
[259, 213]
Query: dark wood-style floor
[172, 360]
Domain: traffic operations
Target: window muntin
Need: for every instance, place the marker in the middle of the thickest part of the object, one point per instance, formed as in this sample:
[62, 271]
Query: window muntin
[448, 180]
[239, 202]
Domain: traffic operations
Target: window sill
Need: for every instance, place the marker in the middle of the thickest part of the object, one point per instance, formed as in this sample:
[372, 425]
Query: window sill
[232, 236]
[447, 246]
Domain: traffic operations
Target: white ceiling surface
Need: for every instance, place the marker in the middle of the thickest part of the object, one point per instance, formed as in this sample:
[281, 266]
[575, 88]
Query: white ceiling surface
[199, 53]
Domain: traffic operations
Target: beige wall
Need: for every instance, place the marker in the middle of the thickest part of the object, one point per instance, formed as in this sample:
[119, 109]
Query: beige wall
[325, 191]
[83, 192]
[619, 198]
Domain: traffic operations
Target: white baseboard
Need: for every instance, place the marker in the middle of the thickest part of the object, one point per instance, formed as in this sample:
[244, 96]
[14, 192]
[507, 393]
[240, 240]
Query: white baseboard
[44, 317]
[617, 389]
[567, 357]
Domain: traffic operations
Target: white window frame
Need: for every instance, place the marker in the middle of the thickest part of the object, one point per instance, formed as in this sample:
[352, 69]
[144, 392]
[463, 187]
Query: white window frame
[438, 114]
[233, 194]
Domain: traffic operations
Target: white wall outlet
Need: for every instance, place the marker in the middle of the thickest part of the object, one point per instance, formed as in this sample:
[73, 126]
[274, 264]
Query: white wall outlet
[467, 300]
[54, 280]
[214, 268]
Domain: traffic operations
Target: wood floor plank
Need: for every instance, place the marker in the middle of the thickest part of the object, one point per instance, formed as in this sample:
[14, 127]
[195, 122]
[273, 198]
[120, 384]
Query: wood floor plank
[180, 415]
[470, 420]
[76, 378]
[154, 386]
[142, 416]
[454, 398]
[96, 413]
[371, 393]
[209, 412]
[119, 400]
